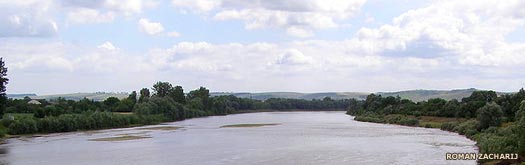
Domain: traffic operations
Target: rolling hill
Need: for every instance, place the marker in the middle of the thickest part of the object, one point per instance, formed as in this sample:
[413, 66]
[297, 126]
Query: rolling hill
[415, 95]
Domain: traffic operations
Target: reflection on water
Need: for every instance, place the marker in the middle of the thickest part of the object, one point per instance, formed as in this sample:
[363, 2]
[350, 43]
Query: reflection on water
[298, 138]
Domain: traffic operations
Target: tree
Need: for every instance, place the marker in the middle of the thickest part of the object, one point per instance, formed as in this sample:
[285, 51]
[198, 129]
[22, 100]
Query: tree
[3, 82]
[449, 109]
[111, 103]
[133, 97]
[203, 94]
[486, 96]
[489, 115]
[144, 95]
[162, 89]
[177, 94]
[520, 117]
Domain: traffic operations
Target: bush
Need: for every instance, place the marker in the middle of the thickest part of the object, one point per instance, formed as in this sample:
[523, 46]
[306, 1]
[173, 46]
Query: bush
[23, 126]
[3, 131]
[489, 115]
[370, 117]
[6, 121]
[449, 126]
[401, 120]
[467, 128]
[499, 140]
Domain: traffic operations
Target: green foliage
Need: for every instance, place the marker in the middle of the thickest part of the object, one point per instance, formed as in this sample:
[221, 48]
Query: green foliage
[3, 131]
[161, 89]
[203, 95]
[401, 120]
[133, 97]
[85, 121]
[177, 94]
[111, 103]
[370, 118]
[449, 126]
[489, 115]
[499, 140]
[164, 106]
[144, 95]
[520, 129]
[126, 105]
[468, 128]
[449, 109]
[24, 126]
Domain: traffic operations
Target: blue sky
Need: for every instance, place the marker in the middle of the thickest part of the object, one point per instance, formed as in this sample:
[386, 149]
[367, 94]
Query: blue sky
[64, 46]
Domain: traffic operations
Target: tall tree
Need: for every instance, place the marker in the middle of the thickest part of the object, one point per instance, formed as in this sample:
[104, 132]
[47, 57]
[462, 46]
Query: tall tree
[111, 103]
[3, 83]
[144, 95]
[520, 118]
[162, 89]
[203, 94]
[489, 115]
[177, 94]
[133, 97]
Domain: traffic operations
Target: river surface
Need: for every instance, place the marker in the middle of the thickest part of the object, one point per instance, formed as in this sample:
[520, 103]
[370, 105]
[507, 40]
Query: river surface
[299, 138]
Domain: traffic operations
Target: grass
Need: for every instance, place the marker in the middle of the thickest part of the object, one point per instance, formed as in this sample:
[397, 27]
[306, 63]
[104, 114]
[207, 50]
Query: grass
[20, 115]
[162, 128]
[440, 119]
[120, 138]
[436, 122]
[124, 113]
[248, 125]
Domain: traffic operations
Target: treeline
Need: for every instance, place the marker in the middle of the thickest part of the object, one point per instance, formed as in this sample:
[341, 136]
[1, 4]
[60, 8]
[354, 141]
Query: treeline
[163, 103]
[497, 123]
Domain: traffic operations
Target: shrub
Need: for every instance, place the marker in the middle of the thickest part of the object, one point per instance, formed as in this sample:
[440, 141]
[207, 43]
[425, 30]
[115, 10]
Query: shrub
[449, 126]
[23, 126]
[467, 128]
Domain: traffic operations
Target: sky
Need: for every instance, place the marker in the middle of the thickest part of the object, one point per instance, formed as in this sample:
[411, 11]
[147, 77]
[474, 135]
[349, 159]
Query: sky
[67, 46]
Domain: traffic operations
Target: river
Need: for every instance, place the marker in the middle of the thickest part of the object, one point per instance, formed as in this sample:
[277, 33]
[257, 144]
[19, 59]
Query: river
[296, 138]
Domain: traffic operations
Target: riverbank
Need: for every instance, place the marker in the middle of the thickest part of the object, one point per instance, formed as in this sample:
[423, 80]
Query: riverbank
[287, 110]
[129, 123]
[461, 126]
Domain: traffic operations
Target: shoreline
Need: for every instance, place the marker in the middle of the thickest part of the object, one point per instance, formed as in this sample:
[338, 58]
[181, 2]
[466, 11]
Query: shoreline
[8, 136]
[519, 160]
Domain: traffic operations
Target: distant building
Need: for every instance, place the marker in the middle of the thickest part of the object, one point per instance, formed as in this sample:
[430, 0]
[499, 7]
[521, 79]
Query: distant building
[35, 102]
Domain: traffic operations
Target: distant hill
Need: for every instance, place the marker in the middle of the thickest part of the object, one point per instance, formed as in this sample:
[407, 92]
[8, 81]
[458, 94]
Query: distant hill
[414, 95]
[98, 96]
[422, 95]
[20, 96]
[295, 95]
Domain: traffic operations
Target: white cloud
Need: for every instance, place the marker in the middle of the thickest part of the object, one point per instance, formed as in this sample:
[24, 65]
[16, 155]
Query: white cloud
[173, 34]
[27, 19]
[107, 46]
[129, 7]
[89, 16]
[298, 32]
[472, 32]
[196, 5]
[293, 57]
[299, 18]
[34, 18]
[151, 28]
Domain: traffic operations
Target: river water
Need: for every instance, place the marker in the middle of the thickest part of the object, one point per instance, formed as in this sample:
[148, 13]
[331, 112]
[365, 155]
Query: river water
[298, 138]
